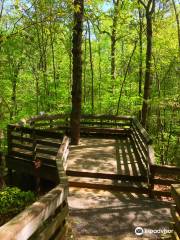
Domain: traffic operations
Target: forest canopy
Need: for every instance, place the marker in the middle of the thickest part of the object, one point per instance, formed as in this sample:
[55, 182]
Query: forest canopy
[130, 63]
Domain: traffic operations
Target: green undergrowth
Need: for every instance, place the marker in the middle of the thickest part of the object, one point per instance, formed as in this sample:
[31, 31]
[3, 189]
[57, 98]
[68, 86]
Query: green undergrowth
[12, 201]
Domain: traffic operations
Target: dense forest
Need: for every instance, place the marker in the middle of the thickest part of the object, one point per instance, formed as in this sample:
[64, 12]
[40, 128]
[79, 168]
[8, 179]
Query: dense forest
[129, 54]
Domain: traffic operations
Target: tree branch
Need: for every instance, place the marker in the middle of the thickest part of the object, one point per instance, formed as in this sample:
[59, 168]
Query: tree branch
[140, 1]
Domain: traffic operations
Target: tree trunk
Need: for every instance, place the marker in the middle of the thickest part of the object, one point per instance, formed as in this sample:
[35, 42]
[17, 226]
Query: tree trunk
[92, 69]
[113, 44]
[148, 80]
[77, 71]
[140, 55]
[177, 22]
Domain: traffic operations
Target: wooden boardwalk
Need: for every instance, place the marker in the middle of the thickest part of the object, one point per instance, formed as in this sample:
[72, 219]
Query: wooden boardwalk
[109, 215]
[106, 163]
[97, 155]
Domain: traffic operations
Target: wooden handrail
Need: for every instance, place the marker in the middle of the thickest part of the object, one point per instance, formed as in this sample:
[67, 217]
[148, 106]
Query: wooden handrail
[24, 225]
[142, 131]
[175, 210]
[47, 117]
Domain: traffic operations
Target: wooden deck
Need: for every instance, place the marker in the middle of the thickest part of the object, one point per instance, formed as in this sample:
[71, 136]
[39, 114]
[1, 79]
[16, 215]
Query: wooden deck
[113, 156]
[110, 163]
[115, 153]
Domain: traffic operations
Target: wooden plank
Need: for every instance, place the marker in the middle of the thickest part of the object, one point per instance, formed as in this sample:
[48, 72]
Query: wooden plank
[60, 235]
[109, 187]
[45, 171]
[46, 151]
[141, 147]
[104, 124]
[175, 236]
[106, 176]
[165, 169]
[21, 146]
[105, 117]
[175, 192]
[166, 182]
[142, 144]
[47, 117]
[22, 139]
[48, 143]
[176, 218]
[161, 193]
[176, 230]
[142, 131]
[37, 132]
[28, 221]
[50, 227]
[27, 156]
[139, 154]
[151, 155]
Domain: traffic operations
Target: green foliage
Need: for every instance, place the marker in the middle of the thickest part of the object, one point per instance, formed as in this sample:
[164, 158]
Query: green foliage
[36, 64]
[13, 200]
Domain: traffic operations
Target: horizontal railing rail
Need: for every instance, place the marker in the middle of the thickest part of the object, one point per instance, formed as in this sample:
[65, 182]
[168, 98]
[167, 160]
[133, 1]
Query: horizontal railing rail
[45, 219]
[164, 175]
[54, 126]
[36, 151]
[175, 211]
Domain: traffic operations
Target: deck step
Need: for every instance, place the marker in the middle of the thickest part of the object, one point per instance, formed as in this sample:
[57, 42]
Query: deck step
[137, 178]
[108, 184]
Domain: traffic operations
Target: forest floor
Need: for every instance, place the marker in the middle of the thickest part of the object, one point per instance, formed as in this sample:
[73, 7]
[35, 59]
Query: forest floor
[104, 215]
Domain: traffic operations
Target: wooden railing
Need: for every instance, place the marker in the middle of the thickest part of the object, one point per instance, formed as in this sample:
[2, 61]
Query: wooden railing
[37, 152]
[106, 125]
[164, 176]
[100, 124]
[142, 143]
[175, 211]
[44, 220]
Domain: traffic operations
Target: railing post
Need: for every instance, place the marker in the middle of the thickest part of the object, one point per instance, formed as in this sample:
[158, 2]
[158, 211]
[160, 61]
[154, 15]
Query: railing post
[175, 210]
[9, 143]
[151, 181]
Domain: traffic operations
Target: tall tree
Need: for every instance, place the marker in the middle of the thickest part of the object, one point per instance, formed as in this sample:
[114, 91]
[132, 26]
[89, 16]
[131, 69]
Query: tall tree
[177, 22]
[77, 71]
[149, 9]
[113, 42]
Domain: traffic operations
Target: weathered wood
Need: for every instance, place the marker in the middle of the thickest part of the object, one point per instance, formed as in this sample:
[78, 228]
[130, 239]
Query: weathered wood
[27, 156]
[151, 155]
[110, 187]
[175, 192]
[46, 151]
[22, 139]
[37, 132]
[21, 146]
[175, 236]
[83, 116]
[139, 151]
[48, 172]
[24, 225]
[161, 193]
[142, 144]
[106, 176]
[142, 131]
[165, 169]
[53, 224]
[175, 214]
[166, 182]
